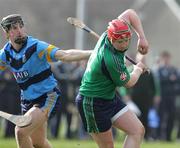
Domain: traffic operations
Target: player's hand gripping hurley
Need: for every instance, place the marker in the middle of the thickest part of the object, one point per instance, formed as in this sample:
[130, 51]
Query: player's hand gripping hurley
[18, 120]
[79, 24]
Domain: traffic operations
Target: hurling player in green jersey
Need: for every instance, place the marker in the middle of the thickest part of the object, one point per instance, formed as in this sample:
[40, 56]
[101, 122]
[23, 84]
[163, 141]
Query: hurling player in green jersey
[99, 106]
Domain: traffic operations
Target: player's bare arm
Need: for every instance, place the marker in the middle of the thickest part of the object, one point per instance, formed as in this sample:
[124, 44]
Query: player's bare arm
[72, 55]
[132, 18]
[135, 74]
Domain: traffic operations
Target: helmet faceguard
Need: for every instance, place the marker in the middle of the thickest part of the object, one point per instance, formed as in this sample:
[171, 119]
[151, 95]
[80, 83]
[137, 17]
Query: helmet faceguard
[118, 29]
[9, 20]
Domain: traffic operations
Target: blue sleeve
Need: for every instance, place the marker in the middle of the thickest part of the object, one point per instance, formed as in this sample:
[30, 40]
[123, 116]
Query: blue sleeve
[2, 60]
[46, 51]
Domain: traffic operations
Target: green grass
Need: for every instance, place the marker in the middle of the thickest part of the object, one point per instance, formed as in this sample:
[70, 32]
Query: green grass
[61, 143]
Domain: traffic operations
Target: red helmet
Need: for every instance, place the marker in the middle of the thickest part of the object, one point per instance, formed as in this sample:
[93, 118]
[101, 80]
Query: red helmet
[118, 29]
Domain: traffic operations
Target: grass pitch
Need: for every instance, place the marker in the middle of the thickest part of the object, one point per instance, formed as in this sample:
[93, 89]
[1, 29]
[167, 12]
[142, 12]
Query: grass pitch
[61, 143]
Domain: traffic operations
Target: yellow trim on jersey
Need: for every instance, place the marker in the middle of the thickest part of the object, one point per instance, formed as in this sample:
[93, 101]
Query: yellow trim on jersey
[2, 67]
[2, 62]
[48, 55]
[41, 54]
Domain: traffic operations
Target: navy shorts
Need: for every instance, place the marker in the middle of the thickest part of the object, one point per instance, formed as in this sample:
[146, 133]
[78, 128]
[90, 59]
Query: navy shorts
[49, 100]
[98, 114]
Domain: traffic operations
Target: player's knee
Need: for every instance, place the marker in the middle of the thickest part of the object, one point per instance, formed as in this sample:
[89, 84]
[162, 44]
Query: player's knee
[20, 132]
[140, 131]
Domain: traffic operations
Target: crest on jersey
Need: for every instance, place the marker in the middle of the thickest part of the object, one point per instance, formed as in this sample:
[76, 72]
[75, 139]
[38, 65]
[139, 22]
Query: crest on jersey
[123, 76]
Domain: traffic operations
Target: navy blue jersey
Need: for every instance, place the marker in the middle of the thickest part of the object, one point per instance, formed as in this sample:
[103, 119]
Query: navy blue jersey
[30, 66]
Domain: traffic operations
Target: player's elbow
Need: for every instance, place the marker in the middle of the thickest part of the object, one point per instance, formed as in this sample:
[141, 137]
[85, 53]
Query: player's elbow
[130, 11]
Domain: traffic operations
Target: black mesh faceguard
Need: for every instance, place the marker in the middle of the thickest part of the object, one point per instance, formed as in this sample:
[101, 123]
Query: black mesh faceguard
[11, 19]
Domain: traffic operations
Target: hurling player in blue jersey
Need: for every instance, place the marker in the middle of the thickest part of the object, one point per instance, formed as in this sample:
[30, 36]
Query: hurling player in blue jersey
[28, 59]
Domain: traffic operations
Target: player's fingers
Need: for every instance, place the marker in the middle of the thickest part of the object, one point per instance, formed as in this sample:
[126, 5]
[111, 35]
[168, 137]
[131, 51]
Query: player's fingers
[146, 70]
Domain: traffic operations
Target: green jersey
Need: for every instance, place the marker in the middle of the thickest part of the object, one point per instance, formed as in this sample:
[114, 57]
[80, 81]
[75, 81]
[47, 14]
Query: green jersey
[105, 71]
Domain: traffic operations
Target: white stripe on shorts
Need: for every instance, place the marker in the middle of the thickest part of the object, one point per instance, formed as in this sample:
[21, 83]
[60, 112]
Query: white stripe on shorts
[120, 113]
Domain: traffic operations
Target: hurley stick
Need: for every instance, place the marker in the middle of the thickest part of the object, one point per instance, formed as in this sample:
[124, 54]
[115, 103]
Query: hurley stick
[18, 120]
[79, 24]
